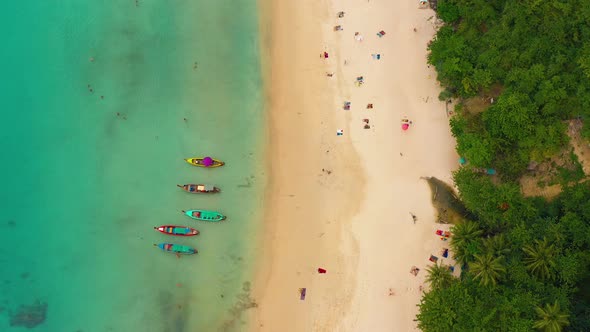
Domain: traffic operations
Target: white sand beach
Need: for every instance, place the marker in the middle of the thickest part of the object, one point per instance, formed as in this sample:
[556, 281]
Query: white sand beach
[344, 203]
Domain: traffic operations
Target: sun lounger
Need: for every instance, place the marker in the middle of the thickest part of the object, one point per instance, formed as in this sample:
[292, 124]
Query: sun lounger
[433, 259]
[445, 253]
[381, 33]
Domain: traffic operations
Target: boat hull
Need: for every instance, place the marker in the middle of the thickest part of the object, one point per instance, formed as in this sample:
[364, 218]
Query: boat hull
[199, 188]
[177, 249]
[204, 215]
[177, 230]
[198, 161]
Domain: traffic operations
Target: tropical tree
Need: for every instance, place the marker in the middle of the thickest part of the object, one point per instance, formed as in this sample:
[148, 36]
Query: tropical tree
[439, 276]
[551, 318]
[540, 259]
[465, 241]
[496, 245]
[487, 268]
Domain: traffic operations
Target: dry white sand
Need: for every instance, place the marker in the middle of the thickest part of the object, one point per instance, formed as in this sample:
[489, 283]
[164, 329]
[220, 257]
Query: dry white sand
[353, 218]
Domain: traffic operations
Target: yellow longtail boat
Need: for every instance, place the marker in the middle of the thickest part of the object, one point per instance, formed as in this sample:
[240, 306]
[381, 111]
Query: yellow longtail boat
[207, 162]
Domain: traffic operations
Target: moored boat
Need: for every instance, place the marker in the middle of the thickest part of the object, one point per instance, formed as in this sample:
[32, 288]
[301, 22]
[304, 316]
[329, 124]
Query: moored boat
[207, 162]
[177, 230]
[204, 215]
[176, 248]
[199, 188]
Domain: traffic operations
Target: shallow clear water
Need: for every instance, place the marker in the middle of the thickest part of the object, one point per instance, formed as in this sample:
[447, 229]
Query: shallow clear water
[85, 178]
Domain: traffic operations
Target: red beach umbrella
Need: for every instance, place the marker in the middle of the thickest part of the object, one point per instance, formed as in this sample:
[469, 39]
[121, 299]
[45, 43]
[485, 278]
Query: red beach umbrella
[207, 161]
[405, 126]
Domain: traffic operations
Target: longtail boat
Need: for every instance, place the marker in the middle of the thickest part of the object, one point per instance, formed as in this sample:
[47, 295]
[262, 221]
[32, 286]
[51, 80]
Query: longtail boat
[204, 215]
[177, 230]
[199, 188]
[207, 162]
[176, 248]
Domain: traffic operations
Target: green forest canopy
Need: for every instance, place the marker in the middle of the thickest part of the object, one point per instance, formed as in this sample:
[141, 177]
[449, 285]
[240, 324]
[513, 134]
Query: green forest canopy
[538, 52]
[525, 261]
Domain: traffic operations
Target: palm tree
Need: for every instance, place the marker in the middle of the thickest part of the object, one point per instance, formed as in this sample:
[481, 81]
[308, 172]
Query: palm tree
[465, 241]
[551, 319]
[488, 269]
[496, 245]
[439, 276]
[540, 258]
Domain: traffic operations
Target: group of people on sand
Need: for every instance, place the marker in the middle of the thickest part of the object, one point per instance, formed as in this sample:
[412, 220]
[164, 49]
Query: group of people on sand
[360, 79]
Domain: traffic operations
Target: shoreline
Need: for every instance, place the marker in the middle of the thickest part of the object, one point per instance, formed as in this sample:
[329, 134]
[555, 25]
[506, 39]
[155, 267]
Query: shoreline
[352, 221]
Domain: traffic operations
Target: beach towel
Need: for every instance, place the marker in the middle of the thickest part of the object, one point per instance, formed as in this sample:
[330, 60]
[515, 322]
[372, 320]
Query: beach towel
[302, 292]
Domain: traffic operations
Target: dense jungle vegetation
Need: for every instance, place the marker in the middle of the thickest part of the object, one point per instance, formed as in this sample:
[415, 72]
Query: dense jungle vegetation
[525, 261]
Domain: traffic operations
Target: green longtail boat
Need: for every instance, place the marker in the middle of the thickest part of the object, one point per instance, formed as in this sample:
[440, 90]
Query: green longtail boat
[176, 248]
[204, 215]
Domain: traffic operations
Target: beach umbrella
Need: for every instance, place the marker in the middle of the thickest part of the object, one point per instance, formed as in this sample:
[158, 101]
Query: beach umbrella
[405, 126]
[208, 161]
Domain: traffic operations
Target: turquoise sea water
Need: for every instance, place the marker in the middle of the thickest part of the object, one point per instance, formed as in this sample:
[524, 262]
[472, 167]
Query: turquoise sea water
[85, 178]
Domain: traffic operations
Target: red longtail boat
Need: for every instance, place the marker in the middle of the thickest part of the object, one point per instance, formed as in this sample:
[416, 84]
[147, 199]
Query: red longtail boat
[177, 230]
